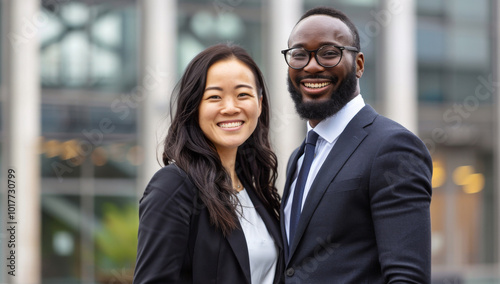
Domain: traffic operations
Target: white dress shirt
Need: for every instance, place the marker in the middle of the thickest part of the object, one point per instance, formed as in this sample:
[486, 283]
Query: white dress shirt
[329, 131]
[262, 250]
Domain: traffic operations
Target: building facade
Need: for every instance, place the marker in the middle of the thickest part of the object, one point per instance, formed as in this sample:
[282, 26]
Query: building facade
[99, 82]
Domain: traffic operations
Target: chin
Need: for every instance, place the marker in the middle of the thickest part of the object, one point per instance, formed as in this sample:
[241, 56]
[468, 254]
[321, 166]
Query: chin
[327, 105]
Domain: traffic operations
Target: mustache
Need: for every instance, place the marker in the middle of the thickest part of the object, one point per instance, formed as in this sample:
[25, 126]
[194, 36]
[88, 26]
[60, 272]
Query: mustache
[333, 79]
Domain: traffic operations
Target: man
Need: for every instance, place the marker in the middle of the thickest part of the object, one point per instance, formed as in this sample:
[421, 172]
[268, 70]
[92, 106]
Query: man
[359, 212]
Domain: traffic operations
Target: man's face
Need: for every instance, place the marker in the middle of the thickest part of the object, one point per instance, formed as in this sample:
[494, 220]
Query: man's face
[320, 92]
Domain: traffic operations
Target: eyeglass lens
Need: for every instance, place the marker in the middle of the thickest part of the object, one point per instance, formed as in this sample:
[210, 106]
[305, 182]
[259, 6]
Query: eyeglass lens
[328, 56]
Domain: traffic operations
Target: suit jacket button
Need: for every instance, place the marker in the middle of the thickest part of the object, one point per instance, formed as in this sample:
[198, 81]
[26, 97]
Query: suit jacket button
[290, 272]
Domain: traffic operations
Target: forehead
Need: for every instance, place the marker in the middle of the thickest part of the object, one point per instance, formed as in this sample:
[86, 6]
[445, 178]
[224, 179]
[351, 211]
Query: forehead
[320, 29]
[229, 70]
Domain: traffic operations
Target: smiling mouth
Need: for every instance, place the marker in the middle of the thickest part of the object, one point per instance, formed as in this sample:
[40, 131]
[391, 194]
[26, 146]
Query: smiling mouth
[317, 85]
[230, 124]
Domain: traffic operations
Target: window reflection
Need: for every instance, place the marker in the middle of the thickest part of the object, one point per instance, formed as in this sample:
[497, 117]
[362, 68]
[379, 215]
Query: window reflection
[82, 46]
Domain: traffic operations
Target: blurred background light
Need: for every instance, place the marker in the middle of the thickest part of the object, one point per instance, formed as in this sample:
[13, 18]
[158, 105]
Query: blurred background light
[439, 174]
[63, 243]
[52, 148]
[461, 174]
[75, 14]
[230, 27]
[475, 183]
[202, 24]
[99, 156]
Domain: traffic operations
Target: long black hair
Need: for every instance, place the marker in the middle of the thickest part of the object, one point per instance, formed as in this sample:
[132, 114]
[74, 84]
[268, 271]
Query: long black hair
[196, 155]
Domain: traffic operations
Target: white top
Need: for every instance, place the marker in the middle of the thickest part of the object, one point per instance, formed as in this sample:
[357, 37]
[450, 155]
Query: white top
[262, 250]
[329, 130]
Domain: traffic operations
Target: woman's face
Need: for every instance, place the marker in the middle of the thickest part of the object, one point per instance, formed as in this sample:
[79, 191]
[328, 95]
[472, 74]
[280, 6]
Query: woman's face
[230, 107]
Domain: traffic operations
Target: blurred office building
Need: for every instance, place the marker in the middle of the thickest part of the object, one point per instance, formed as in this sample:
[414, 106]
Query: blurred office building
[85, 103]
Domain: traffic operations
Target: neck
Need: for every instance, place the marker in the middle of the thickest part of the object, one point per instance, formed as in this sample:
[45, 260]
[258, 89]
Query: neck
[314, 122]
[228, 160]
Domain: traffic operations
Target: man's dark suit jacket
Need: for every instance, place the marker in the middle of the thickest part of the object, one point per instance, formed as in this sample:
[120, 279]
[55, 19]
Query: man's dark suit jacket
[366, 218]
[177, 243]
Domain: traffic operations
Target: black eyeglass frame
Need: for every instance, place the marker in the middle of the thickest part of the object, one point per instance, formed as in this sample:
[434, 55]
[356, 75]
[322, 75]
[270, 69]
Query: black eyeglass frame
[342, 48]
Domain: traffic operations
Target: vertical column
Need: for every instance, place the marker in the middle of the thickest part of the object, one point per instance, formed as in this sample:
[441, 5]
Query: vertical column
[158, 26]
[496, 81]
[398, 62]
[287, 129]
[21, 130]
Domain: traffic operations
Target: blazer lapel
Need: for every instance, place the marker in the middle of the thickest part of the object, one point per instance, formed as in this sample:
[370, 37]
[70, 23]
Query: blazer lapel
[347, 143]
[269, 220]
[237, 239]
[272, 225]
[238, 244]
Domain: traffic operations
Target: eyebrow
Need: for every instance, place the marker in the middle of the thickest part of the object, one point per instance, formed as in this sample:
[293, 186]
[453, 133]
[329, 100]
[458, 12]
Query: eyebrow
[320, 44]
[236, 87]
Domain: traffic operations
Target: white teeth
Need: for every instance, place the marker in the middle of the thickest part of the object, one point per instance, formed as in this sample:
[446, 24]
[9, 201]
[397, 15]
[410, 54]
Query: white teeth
[316, 85]
[230, 124]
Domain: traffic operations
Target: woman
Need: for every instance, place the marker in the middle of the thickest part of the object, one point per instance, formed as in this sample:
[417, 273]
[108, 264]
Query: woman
[211, 214]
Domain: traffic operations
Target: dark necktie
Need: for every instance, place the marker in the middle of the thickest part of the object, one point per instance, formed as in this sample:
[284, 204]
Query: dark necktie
[298, 194]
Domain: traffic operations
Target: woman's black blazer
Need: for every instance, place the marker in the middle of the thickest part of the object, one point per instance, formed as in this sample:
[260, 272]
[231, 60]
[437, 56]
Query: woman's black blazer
[177, 243]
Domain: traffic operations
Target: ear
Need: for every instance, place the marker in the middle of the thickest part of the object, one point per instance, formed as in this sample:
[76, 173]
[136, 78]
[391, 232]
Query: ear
[360, 64]
[260, 104]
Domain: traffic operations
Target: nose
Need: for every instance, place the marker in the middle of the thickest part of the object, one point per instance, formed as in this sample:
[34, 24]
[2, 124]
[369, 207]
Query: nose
[230, 106]
[313, 65]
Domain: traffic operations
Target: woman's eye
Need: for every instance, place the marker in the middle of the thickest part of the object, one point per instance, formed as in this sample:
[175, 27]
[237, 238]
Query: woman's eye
[244, 95]
[214, 97]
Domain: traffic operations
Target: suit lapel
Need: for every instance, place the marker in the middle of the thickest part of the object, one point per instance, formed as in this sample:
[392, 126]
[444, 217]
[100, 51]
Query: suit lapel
[290, 171]
[347, 143]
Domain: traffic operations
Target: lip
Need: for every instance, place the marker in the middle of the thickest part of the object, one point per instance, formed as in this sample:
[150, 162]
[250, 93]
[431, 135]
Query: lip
[230, 125]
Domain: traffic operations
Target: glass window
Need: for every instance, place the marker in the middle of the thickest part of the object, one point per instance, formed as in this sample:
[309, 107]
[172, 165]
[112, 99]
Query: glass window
[1, 46]
[430, 7]
[88, 46]
[453, 43]
[431, 84]
[462, 12]
[431, 42]
[456, 94]
[205, 23]
[89, 152]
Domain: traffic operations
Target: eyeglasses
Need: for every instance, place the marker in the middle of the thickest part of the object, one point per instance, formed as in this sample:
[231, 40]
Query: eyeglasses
[326, 56]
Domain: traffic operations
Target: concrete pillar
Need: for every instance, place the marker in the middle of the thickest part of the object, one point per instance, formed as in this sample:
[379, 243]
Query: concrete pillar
[496, 93]
[287, 129]
[158, 38]
[398, 61]
[21, 131]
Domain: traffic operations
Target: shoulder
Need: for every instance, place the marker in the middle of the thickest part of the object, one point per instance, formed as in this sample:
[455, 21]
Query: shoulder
[387, 139]
[167, 183]
[386, 129]
[167, 175]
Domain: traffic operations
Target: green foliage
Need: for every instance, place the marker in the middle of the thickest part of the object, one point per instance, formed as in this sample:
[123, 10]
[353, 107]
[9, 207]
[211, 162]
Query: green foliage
[116, 240]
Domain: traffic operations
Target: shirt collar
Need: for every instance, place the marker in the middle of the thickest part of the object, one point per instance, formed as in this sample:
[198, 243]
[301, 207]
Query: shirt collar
[331, 127]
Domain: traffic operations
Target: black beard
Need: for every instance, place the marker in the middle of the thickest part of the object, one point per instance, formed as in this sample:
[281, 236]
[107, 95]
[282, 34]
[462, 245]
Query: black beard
[321, 110]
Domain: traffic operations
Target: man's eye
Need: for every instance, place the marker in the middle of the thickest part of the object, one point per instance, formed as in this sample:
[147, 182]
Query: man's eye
[299, 54]
[330, 53]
